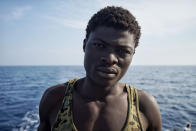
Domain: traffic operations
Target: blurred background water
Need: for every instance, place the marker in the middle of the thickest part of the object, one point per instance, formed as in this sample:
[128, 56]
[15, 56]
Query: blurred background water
[21, 88]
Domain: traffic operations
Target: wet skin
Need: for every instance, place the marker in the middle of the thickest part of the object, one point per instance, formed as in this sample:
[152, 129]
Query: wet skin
[99, 100]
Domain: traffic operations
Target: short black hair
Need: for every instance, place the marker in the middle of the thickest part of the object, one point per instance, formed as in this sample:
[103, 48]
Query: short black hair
[116, 17]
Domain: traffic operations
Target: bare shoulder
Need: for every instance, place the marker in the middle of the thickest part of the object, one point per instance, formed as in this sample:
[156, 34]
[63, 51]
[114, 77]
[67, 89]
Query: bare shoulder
[52, 97]
[149, 107]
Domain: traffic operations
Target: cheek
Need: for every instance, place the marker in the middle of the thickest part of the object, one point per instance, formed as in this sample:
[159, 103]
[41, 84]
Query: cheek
[92, 55]
[89, 57]
[89, 60]
[124, 64]
[86, 64]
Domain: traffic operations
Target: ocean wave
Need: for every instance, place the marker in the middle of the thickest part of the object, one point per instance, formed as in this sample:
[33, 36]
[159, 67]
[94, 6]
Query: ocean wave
[30, 122]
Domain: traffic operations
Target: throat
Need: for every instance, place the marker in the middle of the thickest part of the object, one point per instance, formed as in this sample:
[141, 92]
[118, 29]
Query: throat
[89, 90]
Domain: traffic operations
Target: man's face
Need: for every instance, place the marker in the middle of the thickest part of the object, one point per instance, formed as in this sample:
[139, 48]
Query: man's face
[108, 54]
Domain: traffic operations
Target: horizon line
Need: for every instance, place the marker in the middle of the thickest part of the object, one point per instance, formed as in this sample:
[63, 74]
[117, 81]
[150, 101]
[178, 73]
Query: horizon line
[83, 65]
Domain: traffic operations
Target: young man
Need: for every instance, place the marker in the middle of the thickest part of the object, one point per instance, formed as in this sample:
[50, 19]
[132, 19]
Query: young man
[99, 102]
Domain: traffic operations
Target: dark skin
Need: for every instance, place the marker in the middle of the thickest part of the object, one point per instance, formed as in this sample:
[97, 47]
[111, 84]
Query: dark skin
[99, 99]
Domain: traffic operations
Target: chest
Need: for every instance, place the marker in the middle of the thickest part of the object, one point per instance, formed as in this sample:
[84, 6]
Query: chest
[100, 116]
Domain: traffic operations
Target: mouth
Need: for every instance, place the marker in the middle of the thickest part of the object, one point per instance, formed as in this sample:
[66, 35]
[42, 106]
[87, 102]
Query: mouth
[107, 73]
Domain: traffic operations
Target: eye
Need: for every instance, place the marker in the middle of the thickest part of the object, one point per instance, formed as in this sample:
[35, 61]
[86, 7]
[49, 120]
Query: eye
[99, 45]
[124, 51]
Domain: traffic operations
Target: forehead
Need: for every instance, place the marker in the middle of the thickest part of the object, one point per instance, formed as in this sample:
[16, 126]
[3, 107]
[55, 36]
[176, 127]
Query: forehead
[112, 36]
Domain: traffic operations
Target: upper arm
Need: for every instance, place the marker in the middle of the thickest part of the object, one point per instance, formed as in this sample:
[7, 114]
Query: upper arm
[43, 126]
[49, 101]
[43, 111]
[151, 111]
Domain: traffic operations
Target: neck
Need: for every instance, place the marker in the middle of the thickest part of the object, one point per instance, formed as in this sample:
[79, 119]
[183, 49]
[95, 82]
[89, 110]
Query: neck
[93, 91]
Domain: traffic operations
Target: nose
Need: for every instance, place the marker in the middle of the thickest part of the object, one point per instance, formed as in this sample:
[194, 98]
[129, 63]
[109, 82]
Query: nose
[109, 58]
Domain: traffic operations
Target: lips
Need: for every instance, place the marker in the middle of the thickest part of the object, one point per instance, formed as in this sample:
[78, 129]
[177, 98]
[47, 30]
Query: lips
[106, 72]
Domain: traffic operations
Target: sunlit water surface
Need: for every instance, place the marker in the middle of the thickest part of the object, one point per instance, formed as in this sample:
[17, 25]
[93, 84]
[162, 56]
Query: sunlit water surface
[21, 88]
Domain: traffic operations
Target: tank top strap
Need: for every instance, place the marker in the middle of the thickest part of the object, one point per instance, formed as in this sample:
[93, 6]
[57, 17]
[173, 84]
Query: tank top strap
[137, 108]
[126, 126]
[70, 85]
[133, 119]
[64, 119]
[68, 92]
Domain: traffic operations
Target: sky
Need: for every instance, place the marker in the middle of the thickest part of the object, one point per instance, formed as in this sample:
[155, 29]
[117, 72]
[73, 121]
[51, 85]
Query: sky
[51, 32]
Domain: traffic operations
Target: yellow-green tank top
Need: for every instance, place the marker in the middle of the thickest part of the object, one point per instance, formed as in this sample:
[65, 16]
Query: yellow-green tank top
[64, 119]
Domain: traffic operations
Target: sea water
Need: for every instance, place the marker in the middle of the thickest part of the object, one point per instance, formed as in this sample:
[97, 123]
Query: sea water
[21, 88]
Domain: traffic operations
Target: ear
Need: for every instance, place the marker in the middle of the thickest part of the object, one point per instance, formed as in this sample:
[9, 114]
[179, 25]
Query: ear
[84, 44]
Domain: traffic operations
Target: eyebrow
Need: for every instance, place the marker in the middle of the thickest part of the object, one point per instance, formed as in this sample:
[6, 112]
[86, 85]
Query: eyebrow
[122, 46]
[97, 39]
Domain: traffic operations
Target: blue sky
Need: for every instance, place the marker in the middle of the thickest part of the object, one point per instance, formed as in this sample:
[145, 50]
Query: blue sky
[51, 32]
